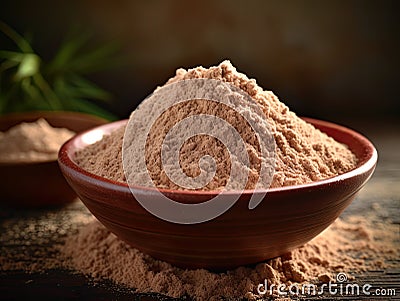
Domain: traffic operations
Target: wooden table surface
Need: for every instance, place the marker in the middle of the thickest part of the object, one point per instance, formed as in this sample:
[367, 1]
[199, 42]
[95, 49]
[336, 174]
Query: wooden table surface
[48, 226]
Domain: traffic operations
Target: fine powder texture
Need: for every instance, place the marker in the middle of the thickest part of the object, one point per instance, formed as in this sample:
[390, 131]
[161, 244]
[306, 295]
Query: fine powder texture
[100, 254]
[303, 153]
[216, 122]
[32, 142]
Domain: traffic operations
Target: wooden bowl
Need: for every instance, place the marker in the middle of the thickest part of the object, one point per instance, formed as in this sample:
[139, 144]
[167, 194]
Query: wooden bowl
[287, 217]
[37, 184]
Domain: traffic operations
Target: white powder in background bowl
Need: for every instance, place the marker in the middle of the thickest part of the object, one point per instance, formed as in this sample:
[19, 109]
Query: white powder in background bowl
[32, 142]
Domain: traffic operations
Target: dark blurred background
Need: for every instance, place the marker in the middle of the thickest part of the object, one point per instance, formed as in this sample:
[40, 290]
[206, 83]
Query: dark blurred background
[326, 59]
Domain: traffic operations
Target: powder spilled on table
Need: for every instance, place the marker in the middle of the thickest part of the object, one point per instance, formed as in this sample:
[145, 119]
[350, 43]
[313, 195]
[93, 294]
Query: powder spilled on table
[100, 254]
[74, 240]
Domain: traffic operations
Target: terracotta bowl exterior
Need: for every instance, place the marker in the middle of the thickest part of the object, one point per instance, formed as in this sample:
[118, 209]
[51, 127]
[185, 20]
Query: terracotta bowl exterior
[287, 217]
[37, 184]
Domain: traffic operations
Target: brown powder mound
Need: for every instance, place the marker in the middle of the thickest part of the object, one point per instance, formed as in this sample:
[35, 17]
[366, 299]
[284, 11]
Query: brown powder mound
[198, 146]
[97, 252]
[104, 158]
[304, 154]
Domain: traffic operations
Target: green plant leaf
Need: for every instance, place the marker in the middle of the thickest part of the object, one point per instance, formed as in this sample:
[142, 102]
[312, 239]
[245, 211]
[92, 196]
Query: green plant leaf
[85, 106]
[11, 55]
[28, 83]
[87, 89]
[33, 94]
[67, 51]
[7, 65]
[47, 92]
[22, 44]
[94, 60]
[29, 66]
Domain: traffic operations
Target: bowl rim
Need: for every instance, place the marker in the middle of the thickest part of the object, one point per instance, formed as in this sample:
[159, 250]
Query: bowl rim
[366, 164]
